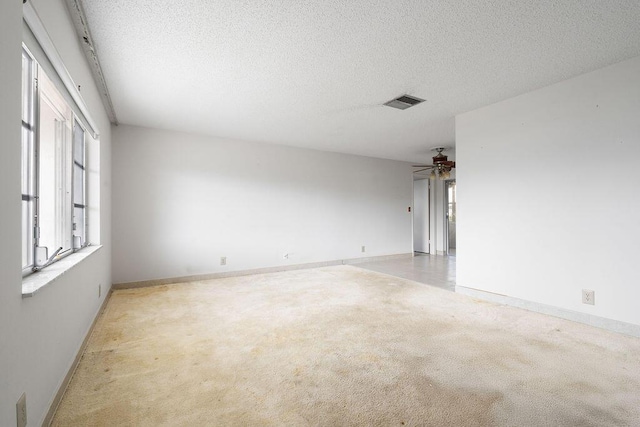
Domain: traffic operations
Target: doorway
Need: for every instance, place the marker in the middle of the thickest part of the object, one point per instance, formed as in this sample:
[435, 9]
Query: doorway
[450, 217]
[421, 197]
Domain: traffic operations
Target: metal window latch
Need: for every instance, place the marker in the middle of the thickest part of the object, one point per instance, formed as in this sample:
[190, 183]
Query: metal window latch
[44, 251]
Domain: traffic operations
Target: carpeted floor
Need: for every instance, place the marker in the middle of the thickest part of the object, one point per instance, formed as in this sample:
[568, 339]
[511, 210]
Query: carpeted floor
[343, 346]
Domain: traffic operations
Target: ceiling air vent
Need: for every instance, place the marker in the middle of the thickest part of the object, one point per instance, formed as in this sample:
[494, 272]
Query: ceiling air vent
[403, 102]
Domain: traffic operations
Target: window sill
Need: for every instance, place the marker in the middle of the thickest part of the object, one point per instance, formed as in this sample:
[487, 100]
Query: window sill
[36, 281]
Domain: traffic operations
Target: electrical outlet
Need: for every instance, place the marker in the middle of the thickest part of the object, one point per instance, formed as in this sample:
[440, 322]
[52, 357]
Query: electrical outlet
[21, 411]
[588, 297]
[223, 260]
[363, 249]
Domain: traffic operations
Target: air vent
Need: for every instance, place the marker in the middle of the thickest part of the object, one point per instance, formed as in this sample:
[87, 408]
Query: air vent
[403, 102]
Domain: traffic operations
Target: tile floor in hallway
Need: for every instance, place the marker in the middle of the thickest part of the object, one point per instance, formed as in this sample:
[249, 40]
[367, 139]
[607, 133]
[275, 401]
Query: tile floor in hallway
[434, 270]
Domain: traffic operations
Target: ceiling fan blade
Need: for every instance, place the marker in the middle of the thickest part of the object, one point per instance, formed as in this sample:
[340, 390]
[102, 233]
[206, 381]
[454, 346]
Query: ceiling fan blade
[422, 170]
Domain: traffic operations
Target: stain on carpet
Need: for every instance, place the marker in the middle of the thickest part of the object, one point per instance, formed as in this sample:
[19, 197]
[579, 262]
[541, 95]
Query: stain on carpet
[343, 346]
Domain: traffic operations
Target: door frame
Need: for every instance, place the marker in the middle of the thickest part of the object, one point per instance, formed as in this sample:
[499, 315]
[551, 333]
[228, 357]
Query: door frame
[428, 222]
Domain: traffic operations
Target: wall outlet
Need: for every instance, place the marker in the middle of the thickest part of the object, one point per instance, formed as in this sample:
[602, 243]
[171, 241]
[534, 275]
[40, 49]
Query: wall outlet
[363, 249]
[223, 260]
[21, 411]
[588, 297]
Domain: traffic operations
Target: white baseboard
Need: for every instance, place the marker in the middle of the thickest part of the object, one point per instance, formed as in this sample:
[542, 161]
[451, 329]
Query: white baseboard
[184, 279]
[588, 319]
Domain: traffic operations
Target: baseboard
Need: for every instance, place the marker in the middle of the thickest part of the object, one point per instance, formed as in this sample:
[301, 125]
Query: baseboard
[354, 261]
[588, 319]
[184, 279]
[67, 379]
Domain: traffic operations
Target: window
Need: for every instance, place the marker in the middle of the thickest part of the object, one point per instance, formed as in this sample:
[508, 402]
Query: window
[54, 220]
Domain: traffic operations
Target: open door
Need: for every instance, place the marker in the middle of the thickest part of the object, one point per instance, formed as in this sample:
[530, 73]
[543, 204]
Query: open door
[450, 220]
[421, 216]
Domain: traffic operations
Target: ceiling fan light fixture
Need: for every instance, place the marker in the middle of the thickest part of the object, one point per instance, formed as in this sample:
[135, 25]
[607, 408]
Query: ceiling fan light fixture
[441, 167]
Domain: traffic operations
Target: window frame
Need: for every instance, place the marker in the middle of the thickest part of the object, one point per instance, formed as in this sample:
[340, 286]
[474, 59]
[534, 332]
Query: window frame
[32, 96]
[28, 160]
[84, 206]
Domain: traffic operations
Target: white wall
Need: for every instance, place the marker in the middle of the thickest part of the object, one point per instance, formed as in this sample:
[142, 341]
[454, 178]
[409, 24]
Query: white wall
[548, 194]
[183, 201]
[421, 215]
[40, 336]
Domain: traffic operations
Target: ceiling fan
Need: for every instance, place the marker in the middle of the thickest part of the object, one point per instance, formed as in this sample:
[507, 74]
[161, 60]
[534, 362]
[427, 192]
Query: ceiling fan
[441, 166]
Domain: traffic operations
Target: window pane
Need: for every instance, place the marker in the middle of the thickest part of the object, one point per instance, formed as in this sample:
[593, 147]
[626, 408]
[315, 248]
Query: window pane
[79, 212]
[27, 234]
[79, 224]
[48, 185]
[78, 165]
[26, 162]
[78, 144]
[78, 185]
[27, 82]
[54, 169]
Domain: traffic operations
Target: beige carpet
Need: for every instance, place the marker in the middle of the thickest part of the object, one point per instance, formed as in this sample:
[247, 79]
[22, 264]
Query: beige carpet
[343, 346]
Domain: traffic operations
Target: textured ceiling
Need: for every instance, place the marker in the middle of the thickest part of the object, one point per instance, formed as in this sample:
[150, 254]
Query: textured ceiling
[314, 73]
